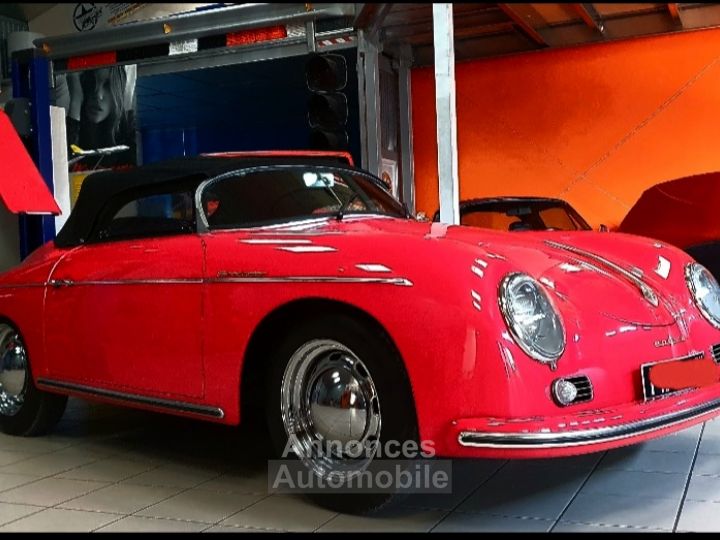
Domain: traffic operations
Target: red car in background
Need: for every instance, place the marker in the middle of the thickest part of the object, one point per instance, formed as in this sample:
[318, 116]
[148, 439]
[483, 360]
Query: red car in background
[296, 287]
[683, 212]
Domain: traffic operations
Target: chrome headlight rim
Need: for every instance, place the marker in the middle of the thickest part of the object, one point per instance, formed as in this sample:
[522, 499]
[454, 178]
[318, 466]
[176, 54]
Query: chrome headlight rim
[689, 269]
[503, 300]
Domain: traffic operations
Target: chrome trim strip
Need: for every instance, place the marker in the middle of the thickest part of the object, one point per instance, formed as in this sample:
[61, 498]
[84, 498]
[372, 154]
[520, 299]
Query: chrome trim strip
[307, 249]
[177, 281]
[402, 282]
[586, 436]
[214, 412]
[646, 291]
[22, 285]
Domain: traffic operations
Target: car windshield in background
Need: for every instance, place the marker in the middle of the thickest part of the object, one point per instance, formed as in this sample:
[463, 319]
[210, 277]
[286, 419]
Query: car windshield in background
[523, 216]
[275, 195]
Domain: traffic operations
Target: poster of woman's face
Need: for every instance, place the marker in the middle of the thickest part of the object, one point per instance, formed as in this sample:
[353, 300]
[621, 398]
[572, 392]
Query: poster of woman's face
[100, 113]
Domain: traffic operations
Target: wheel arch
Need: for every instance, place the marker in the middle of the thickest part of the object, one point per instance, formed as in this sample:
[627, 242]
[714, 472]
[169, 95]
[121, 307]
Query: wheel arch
[254, 368]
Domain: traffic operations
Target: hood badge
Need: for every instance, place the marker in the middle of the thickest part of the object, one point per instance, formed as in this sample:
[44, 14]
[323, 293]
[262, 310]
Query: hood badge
[668, 342]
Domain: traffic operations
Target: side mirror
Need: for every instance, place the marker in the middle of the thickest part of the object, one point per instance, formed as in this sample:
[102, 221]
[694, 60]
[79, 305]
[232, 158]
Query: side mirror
[421, 216]
[603, 228]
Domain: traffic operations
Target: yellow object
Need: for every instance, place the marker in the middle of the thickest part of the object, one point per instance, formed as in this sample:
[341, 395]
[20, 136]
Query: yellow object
[76, 181]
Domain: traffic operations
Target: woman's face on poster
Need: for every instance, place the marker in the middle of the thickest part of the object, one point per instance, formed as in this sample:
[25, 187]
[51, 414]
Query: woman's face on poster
[98, 101]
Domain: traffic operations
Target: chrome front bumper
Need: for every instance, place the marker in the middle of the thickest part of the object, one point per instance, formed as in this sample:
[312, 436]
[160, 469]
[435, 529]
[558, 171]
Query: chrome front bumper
[545, 438]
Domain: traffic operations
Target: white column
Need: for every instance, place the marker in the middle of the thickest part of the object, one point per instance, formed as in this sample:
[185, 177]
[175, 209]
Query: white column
[443, 37]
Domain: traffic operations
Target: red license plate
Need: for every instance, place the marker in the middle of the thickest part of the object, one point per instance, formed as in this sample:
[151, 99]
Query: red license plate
[667, 377]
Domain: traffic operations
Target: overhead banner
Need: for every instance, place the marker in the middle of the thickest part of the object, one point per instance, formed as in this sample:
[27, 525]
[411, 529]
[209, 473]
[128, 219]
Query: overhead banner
[72, 18]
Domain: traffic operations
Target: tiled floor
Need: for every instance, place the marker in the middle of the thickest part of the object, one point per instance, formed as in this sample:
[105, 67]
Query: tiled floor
[112, 469]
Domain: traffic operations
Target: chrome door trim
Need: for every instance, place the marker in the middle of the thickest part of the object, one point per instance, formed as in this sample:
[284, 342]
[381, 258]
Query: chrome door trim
[229, 278]
[399, 281]
[181, 281]
[177, 406]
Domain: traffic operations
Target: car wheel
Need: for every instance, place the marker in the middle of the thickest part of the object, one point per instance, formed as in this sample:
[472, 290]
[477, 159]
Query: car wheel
[337, 380]
[24, 409]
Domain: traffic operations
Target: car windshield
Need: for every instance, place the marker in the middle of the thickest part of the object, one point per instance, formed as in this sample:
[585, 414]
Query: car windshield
[279, 194]
[523, 216]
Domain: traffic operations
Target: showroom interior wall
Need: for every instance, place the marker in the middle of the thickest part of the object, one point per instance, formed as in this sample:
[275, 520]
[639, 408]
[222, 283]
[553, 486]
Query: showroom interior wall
[594, 124]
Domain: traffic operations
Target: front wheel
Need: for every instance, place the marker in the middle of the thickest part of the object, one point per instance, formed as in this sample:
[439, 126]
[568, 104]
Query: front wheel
[338, 391]
[24, 409]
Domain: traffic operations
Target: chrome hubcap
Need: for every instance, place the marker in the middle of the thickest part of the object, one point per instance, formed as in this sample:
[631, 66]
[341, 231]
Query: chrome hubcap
[13, 371]
[330, 409]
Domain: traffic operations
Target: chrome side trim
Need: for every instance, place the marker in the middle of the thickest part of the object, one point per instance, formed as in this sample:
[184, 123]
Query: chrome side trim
[585, 436]
[22, 285]
[402, 282]
[178, 281]
[179, 406]
[646, 291]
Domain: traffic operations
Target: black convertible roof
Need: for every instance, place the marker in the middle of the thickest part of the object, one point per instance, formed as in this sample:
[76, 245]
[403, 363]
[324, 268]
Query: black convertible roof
[101, 187]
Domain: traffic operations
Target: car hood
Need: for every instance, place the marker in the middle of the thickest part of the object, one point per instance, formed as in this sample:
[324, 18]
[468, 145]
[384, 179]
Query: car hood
[628, 278]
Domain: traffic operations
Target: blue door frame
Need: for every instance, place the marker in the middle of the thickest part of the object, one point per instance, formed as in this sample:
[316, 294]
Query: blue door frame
[31, 80]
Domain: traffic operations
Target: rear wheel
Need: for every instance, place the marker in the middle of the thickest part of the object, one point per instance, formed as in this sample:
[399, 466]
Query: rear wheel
[338, 391]
[24, 409]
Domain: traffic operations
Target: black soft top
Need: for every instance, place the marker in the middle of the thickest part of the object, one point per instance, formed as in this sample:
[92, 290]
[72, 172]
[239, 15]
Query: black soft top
[99, 188]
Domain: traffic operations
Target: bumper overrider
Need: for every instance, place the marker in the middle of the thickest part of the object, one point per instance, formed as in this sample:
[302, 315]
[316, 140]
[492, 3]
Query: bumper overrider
[586, 431]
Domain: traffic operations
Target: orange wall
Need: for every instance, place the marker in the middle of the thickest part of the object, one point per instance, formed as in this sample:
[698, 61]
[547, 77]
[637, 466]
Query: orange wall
[595, 125]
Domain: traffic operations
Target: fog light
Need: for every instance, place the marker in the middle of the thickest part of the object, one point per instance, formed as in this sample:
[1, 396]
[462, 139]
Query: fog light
[564, 391]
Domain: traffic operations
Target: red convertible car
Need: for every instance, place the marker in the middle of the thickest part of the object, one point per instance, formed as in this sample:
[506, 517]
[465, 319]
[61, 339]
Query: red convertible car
[219, 287]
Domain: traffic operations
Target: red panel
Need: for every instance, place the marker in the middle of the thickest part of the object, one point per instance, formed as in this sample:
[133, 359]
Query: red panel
[22, 189]
[133, 319]
[256, 35]
[93, 60]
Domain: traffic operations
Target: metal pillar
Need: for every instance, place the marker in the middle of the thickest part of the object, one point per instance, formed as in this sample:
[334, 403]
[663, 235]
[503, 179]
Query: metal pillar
[443, 36]
[369, 97]
[31, 79]
[406, 135]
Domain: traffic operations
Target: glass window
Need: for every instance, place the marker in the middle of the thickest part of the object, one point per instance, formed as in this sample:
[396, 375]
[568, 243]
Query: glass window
[558, 218]
[148, 216]
[283, 194]
[530, 215]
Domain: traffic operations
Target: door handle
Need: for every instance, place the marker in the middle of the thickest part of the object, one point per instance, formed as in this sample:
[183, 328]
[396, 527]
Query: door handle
[57, 283]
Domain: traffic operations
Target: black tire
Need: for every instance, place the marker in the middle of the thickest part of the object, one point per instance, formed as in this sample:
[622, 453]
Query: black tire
[40, 410]
[390, 379]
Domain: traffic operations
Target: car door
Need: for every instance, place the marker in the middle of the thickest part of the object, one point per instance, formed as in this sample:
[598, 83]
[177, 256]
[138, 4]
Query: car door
[124, 313]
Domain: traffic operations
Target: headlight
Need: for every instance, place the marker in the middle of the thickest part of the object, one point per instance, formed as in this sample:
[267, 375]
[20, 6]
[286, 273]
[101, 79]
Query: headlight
[531, 318]
[705, 291]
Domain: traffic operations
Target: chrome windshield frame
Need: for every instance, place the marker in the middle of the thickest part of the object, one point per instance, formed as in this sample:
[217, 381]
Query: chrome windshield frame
[203, 226]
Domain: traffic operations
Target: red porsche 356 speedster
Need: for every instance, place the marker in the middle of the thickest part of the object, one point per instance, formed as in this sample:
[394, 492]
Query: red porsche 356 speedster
[216, 286]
